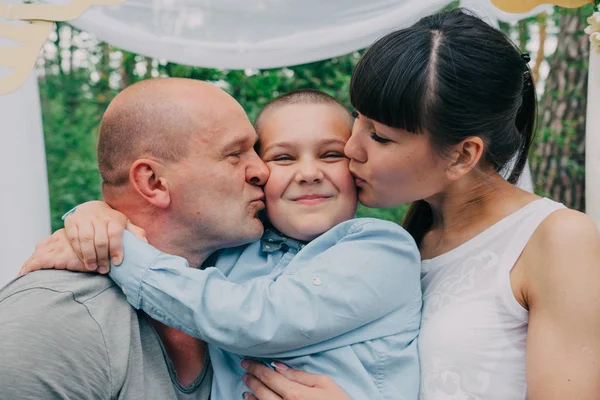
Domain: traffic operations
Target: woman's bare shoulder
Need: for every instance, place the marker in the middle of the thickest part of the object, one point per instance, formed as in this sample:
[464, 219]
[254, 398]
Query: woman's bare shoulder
[566, 227]
[563, 250]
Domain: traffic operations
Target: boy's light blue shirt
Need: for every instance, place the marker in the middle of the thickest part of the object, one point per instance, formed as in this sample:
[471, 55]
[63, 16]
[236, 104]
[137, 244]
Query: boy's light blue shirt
[347, 305]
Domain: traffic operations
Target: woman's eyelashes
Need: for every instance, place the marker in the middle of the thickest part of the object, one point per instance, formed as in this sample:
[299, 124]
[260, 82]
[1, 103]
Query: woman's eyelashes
[378, 138]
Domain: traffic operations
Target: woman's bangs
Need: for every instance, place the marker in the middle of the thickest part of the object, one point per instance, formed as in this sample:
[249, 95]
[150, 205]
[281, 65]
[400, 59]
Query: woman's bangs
[389, 86]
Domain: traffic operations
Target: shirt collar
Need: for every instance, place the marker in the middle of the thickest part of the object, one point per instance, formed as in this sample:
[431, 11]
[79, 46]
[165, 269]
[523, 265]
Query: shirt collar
[272, 241]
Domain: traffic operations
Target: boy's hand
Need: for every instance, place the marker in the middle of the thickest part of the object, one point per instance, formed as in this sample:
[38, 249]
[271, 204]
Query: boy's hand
[53, 252]
[95, 233]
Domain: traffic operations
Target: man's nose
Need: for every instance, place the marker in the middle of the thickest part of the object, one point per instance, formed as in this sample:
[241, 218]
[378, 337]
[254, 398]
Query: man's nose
[257, 172]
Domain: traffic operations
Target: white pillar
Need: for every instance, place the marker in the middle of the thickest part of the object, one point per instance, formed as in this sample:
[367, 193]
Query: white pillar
[24, 204]
[592, 139]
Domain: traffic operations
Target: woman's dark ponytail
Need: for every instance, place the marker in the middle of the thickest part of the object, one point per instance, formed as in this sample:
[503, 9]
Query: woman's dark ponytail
[418, 220]
[525, 123]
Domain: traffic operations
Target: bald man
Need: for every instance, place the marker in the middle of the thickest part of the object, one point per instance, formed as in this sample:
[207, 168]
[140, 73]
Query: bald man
[176, 156]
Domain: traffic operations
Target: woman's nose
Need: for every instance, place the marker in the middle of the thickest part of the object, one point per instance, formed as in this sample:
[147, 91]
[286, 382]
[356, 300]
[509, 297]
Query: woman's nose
[353, 149]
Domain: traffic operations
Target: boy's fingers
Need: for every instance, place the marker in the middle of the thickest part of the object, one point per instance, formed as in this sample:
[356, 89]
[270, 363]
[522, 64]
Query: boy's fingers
[115, 239]
[32, 264]
[72, 233]
[101, 243]
[86, 235]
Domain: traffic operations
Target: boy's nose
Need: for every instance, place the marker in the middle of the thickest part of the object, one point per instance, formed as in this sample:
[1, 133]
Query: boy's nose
[309, 173]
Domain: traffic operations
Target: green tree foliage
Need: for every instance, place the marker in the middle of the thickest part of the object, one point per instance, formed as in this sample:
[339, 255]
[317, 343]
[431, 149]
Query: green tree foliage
[79, 76]
[70, 121]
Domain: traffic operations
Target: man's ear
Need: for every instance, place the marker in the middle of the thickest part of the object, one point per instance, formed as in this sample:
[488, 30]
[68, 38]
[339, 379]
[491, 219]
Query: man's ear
[147, 178]
[464, 157]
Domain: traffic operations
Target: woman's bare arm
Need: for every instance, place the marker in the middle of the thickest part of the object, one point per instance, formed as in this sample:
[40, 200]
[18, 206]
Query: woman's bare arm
[562, 291]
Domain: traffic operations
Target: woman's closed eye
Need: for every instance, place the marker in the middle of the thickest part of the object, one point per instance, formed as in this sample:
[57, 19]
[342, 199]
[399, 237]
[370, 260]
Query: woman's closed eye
[378, 138]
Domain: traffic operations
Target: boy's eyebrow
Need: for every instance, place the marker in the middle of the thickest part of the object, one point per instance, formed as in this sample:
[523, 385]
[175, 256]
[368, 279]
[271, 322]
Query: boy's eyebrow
[277, 144]
[325, 142]
[333, 141]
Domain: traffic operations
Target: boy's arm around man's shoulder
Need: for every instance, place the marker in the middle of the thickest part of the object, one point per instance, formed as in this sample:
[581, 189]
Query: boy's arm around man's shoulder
[51, 347]
[351, 276]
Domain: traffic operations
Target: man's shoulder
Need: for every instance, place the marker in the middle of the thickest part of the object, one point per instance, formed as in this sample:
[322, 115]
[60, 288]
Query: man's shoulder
[64, 292]
[66, 307]
[66, 324]
[81, 286]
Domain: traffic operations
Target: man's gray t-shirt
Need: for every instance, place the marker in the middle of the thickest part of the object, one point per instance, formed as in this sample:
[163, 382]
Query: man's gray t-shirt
[66, 335]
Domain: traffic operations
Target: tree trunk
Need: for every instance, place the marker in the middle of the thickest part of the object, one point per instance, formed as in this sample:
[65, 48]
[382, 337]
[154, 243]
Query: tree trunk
[558, 160]
[127, 66]
[148, 73]
[523, 31]
[102, 88]
[61, 71]
[541, 53]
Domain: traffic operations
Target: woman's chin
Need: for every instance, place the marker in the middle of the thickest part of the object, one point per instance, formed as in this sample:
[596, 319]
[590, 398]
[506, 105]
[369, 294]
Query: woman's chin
[367, 200]
[372, 200]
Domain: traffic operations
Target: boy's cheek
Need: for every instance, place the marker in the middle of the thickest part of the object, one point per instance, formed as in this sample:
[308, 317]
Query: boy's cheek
[277, 182]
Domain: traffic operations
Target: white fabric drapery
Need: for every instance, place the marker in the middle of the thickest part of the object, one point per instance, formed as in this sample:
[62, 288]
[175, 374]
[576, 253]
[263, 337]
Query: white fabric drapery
[237, 34]
[230, 34]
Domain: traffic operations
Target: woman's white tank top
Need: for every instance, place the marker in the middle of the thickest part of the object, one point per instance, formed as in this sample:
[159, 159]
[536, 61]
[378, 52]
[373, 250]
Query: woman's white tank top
[473, 330]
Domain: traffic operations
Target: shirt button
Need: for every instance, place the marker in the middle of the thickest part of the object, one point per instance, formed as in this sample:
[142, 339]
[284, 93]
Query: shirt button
[317, 282]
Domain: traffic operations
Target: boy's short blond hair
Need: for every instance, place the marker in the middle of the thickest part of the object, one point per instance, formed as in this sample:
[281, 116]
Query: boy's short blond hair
[301, 96]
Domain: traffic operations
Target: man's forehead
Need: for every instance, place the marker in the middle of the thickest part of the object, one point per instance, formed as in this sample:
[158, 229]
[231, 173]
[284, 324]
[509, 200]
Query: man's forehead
[248, 137]
[224, 138]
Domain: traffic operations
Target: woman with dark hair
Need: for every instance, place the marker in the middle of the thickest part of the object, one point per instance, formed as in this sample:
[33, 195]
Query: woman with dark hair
[511, 281]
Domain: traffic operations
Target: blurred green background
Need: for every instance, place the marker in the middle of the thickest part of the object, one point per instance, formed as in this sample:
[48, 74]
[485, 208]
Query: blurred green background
[79, 75]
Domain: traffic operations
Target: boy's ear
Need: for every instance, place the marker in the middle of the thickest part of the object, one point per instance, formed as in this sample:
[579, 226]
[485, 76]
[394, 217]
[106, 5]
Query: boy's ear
[147, 178]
